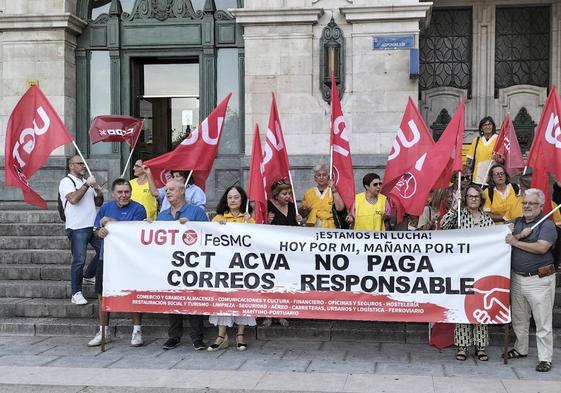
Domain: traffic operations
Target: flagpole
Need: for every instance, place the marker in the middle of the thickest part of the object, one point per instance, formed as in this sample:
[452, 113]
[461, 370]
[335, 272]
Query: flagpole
[459, 199]
[331, 162]
[127, 163]
[525, 169]
[82, 157]
[544, 217]
[188, 178]
[293, 193]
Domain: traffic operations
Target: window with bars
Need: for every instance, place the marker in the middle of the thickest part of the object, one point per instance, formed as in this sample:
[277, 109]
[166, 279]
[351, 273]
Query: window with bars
[522, 47]
[445, 50]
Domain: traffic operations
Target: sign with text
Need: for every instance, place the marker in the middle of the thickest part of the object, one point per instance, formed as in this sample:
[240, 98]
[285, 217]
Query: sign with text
[460, 276]
[393, 42]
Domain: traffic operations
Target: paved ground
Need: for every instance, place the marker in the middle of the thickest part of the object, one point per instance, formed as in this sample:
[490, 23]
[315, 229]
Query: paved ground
[66, 364]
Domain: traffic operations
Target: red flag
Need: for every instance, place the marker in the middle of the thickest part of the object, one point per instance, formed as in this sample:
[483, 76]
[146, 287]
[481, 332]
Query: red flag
[540, 180]
[197, 152]
[432, 169]
[413, 139]
[256, 186]
[507, 146]
[547, 138]
[342, 163]
[34, 130]
[114, 128]
[275, 158]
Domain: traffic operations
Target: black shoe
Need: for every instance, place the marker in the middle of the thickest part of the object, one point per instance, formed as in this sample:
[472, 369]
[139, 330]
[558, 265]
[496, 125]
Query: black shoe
[171, 343]
[199, 345]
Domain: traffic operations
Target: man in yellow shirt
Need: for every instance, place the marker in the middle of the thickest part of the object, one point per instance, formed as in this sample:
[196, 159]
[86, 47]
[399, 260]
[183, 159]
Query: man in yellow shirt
[372, 209]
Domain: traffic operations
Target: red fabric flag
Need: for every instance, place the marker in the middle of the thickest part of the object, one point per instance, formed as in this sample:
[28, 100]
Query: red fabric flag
[432, 169]
[115, 128]
[342, 163]
[197, 152]
[275, 158]
[256, 186]
[442, 335]
[507, 146]
[547, 138]
[413, 139]
[34, 130]
[540, 180]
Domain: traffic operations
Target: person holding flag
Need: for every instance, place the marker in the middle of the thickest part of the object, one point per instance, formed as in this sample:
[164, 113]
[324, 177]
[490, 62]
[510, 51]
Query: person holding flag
[141, 191]
[318, 202]
[501, 195]
[481, 151]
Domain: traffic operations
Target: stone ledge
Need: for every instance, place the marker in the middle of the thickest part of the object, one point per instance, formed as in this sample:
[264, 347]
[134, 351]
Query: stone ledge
[277, 16]
[386, 13]
[65, 21]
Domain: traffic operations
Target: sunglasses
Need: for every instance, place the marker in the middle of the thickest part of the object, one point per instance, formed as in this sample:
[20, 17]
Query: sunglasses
[376, 184]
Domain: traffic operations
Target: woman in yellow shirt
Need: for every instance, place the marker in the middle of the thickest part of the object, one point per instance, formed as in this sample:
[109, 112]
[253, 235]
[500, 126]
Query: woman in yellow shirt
[501, 196]
[231, 208]
[141, 191]
[317, 203]
[372, 209]
[480, 154]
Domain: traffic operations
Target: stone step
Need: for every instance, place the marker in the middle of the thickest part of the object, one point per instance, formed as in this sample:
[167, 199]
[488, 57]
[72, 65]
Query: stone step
[35, 272]
[27, 216]
[32, 229]
[41, 289]
[34, 243]
[54, 257]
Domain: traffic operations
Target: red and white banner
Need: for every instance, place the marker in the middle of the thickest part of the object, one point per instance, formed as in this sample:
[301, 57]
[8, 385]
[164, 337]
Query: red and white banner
[342, 163]
[116, 128]
[34, 130]
[460, 276]
[197, 152]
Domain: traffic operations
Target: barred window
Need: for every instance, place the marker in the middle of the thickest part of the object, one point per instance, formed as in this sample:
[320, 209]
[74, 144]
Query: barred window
[522, 47]
[445, 50]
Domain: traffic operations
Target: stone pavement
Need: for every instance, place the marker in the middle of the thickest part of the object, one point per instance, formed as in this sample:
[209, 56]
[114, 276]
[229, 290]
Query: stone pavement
[66, 364]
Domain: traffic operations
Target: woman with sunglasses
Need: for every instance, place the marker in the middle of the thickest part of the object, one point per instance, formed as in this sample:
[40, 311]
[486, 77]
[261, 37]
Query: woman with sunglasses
[372, 209]
[480, 154]
[501, 195]
[231, 208]
[471, 216]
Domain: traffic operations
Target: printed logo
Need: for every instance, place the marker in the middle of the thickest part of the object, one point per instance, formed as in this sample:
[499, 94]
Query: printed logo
[190, 237]
[490, 301]
[407, 185]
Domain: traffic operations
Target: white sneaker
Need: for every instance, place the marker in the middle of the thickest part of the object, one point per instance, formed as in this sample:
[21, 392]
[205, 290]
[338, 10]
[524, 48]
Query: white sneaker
[96, 341]
[136, 340]
[79, 299]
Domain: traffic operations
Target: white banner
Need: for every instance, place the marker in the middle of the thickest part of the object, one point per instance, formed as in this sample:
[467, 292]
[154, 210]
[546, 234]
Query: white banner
[460, 276]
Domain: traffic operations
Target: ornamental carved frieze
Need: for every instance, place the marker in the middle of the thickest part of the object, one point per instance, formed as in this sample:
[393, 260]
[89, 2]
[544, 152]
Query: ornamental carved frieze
[163, 10]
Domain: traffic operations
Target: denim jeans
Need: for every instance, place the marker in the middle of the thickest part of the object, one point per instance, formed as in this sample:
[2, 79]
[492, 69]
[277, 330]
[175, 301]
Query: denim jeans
[79, 239]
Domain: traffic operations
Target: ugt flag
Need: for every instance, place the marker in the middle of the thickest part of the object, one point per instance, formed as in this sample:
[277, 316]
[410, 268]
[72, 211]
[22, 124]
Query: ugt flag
[34, 130]
[507, 146]
[256, 187]
[197, 152]
[116, 128]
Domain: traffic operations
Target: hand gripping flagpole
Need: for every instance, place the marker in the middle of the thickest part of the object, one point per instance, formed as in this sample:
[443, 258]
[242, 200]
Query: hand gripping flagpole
[82, 157]
[293, 193]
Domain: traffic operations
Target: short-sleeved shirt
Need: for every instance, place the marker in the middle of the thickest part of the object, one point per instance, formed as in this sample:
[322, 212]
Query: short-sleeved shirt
[190, 212]
[482, 157]
[527, 262]
[141, 194]
[502, 202]
[228, 217]
[368, 216]
[193, 195]
[280, 218]
[134, 211]
[82, 214]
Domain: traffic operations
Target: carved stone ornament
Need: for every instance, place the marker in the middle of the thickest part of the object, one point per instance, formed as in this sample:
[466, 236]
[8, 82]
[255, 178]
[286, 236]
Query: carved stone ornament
[163, 10]
[524, 126]
[440, 123]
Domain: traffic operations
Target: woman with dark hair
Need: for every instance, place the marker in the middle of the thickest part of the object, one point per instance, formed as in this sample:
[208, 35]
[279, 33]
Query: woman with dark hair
[501, 195]
[372, 209]
[480, 154]
[231, 208]
[471, 216]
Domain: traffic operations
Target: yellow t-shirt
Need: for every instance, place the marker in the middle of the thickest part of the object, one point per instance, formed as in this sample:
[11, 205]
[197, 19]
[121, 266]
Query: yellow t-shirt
[502, 203]
[516, 211]
[369, 217]
[320, 204]
[482, 157]
[228, 217]
[142, 195]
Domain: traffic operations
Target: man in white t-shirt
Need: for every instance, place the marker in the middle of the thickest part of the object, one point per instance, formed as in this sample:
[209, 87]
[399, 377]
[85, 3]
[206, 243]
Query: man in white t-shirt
[79, 196]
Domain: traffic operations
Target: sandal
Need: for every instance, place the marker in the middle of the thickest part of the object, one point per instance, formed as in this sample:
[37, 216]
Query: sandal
[543, 366]
[461, 355]
[514, 354]
[481, 355]
[223, 344]
[241, 346]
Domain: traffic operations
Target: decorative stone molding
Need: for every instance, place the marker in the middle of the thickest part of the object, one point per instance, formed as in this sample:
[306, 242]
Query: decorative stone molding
[277, 16]
[383, 13]
[163, 10]
[434, 101]
[512, 99]
[65, 21]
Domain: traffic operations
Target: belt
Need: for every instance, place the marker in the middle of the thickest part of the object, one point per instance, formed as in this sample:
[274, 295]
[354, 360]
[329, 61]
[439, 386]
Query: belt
[526, 274]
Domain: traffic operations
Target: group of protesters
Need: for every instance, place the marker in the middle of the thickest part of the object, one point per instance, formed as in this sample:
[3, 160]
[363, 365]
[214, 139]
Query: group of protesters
[487, 196]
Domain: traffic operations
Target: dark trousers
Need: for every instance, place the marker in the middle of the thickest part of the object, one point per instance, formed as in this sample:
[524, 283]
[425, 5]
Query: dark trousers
[175, 329]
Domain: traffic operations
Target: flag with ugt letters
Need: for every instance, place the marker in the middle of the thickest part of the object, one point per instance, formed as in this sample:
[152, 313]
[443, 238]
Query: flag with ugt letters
[34, 130]
[256, 187]
[116, 128]
[507, 146]
[197, 152]
[342, 163]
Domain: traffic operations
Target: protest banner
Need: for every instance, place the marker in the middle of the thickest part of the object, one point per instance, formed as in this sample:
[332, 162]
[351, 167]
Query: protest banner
[460, 276]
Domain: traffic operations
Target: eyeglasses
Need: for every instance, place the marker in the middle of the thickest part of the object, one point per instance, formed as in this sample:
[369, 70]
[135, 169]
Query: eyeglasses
[77, 163]
[466, 177]
[499, 174]
[487, 124]
[137, 166]
[473, 196]
[530, 203]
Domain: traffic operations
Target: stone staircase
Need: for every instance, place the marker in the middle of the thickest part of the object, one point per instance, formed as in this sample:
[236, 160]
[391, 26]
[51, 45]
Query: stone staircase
[35, 293]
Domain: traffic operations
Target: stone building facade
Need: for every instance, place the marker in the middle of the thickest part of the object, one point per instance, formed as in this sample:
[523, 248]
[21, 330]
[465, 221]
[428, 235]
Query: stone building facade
[170, 61]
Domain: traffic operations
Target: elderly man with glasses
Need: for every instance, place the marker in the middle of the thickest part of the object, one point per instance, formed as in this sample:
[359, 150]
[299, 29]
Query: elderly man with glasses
[533, 279]
[80, 196]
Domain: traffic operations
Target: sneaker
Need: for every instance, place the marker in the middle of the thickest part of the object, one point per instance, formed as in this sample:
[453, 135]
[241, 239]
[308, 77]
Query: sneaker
[96, 341]
[171, 343]
[136, 340]
[199, 345]
[79, 299]
[89, 281]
